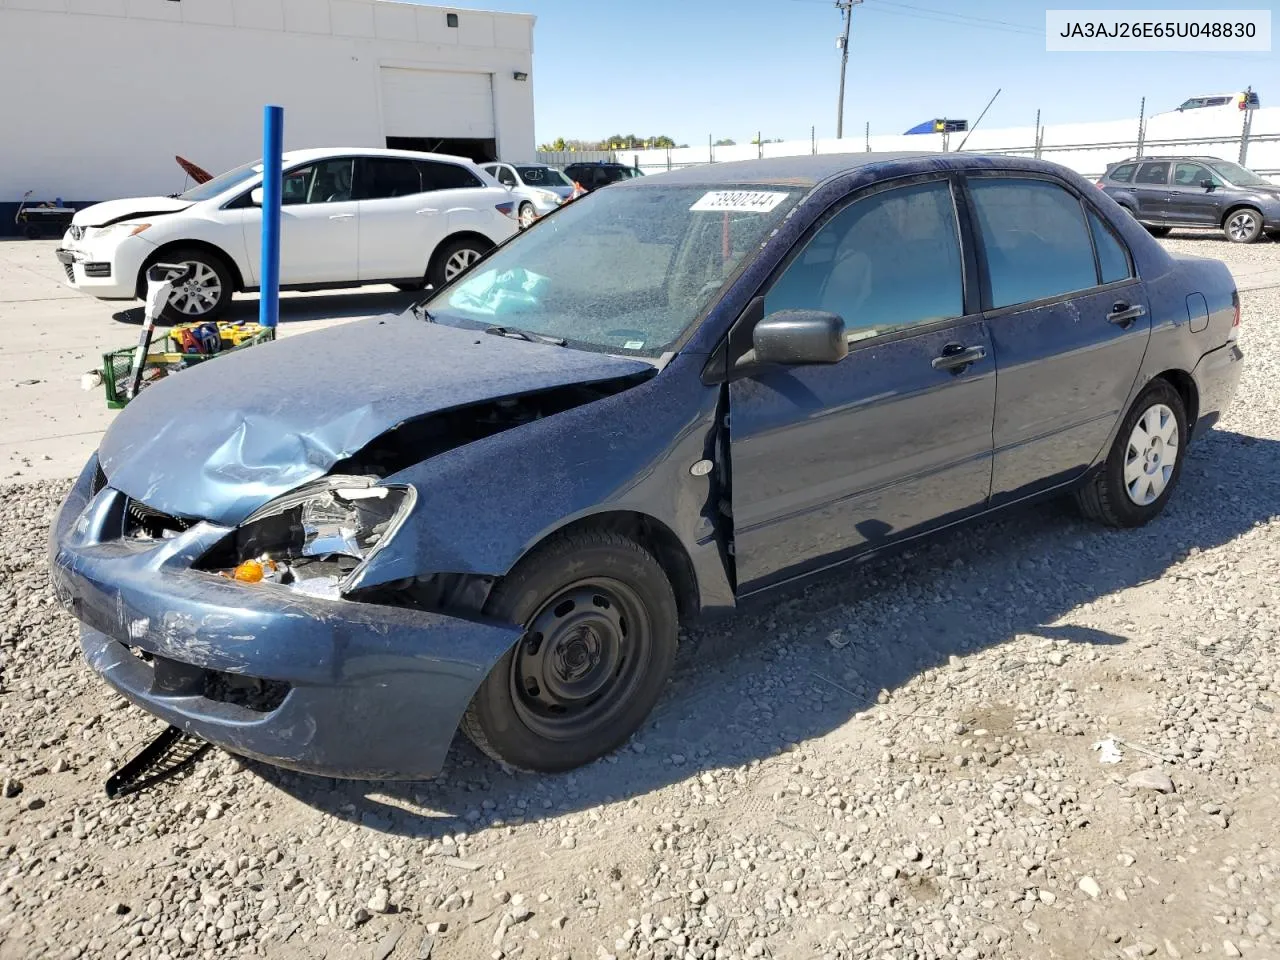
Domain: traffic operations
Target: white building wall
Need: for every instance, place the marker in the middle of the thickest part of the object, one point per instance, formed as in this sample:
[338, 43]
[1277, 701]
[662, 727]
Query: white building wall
[98, 96]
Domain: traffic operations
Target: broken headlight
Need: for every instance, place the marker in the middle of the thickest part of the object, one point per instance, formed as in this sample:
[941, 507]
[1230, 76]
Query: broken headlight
[326, 529]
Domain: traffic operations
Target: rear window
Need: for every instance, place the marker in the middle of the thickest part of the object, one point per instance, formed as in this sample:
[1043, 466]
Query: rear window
[1123, 173]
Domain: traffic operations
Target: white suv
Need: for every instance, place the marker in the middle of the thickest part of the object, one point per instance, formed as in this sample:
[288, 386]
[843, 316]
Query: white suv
[350, 217]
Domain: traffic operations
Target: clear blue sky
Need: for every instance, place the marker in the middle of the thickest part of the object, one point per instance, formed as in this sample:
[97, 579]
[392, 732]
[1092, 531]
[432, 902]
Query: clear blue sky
[689, 68]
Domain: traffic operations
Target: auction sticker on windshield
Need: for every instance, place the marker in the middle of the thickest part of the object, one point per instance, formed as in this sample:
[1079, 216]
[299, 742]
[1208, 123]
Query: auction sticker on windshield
[739, 201]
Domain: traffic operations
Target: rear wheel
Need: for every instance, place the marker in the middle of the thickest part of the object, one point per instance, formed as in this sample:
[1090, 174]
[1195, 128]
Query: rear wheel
[1144, 464]
[454, 259]
[1243, 226]
[527, 215]
[205, 295]
[599, 642]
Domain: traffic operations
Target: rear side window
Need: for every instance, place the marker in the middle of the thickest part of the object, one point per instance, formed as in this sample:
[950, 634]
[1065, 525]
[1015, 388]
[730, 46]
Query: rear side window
[383, 178]
[1157, 173]
[1113, 261]
[889, 261]
[446, 176]
[1123, 173]
[1035, 240]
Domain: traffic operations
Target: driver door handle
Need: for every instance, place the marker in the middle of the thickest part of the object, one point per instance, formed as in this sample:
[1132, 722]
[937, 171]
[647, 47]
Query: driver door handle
[343, 216]
[956, 356]
[427, 211]
[1123, 315]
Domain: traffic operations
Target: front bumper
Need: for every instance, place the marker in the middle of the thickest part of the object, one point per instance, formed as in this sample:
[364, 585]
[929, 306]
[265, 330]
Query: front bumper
[108, 271]
[368, 691]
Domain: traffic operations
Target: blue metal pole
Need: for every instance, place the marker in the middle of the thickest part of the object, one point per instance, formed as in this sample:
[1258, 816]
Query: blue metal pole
[272, 177]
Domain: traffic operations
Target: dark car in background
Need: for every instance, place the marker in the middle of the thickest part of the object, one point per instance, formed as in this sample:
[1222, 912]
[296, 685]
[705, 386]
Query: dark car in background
[492, 511]
[593, 175]
[1167, 192]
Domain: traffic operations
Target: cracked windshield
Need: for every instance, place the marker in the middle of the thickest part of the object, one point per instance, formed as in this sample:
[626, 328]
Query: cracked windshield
[628, 270]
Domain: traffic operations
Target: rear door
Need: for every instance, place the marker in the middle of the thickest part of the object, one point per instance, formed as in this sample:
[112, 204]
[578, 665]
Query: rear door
[397, 222]
[1190, 201]
[460, 201]
[1151, 191]
[1069, 322]
[829, 461]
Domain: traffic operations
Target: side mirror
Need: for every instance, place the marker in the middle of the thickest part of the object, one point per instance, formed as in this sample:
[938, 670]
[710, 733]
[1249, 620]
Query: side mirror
[797, 337]
[255, 196]
[1207, 184]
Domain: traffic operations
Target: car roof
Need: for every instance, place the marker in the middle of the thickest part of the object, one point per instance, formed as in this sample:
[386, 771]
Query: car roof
[321, 153]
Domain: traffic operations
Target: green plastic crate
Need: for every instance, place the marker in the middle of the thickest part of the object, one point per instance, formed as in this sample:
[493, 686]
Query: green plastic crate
[118, 365]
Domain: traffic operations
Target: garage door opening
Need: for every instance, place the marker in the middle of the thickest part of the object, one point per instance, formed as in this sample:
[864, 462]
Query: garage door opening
[480, 151]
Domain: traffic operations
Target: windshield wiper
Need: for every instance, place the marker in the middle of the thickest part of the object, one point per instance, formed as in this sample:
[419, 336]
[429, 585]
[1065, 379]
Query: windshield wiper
[525, 335]
[420, 311]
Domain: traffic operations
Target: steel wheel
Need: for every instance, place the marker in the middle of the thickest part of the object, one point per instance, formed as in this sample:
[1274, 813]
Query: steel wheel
[460, 261]
[1243, 226]
[582, 657]
[198, 295]
[527, 215]
[1152, 455]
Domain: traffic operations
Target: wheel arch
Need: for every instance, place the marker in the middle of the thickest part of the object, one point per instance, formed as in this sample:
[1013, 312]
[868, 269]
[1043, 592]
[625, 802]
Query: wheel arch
[1185, 384]
[652, 534]
[1236, 208]
[159, 253]
[443, 245]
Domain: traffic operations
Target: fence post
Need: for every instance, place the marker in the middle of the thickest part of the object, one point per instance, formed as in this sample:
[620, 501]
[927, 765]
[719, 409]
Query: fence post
[711, 150]
[1246, 127]
[868, 136]
[668, 159]
[759, 145]
[1036, 152]
[813, 140]
[1142, 125]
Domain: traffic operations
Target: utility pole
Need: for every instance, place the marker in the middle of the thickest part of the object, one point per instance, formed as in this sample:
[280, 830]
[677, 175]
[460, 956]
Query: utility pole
[846, 8]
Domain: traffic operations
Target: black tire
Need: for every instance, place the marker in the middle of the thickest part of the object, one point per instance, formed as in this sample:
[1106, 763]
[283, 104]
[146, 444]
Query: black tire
[526, 212]
[32, 232]
[614, 645]
[410, 287]
[1105, 497]
[441, 270]
[1242, 225]
[211, 269]
[1158, 231]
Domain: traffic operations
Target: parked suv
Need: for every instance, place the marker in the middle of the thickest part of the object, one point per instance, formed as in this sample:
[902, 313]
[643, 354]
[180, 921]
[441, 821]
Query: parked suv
[1167, 192]
[596, 174]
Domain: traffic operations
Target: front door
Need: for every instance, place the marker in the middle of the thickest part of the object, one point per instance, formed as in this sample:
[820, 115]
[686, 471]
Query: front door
[1151, 191]
[829, 461]
[319, 226]
[1069, 328]
[1190, 201]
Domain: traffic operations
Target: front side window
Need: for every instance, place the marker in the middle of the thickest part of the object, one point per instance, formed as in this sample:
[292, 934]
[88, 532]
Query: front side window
[1153, 173]
[1113, 261]
[505, 177]
[437, 175]
[1035, 239]
[1123, 173]
[385, 178]
[883, 263]
[329, 181]
[626, 271]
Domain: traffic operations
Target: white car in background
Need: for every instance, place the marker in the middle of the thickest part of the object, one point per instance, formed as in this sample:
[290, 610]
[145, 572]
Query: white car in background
[350, 217]
[540, 188]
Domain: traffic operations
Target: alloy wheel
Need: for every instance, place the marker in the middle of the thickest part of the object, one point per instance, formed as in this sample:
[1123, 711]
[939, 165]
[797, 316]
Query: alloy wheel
[527, 216]
[1242, 225]
[199, 294]
[1151, 455]
[460, 262]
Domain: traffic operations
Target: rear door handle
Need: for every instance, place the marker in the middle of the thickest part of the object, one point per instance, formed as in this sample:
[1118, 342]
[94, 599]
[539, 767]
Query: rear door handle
[1123, 315]
[428, 211]
[956, 356]
[343, 216]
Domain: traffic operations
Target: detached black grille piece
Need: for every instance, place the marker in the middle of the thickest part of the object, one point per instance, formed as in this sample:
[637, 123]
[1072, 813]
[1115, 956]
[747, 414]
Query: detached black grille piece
[99, 481]
[147, 522]
[71, 272]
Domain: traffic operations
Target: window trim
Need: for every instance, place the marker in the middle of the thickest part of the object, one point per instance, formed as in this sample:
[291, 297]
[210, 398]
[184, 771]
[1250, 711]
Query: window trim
[737, 340]
[980, 251]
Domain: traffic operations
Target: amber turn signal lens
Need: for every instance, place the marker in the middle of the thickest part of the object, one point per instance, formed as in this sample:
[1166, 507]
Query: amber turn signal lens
[251, 571]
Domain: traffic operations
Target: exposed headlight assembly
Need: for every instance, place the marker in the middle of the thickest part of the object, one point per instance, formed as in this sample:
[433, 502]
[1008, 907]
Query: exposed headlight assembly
[330, 528]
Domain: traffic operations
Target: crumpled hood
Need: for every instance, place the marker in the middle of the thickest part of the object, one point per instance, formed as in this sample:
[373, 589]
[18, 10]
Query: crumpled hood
[113, 211]
[223, 438]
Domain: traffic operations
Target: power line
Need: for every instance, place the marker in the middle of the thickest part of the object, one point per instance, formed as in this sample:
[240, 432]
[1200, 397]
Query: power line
[967, 17]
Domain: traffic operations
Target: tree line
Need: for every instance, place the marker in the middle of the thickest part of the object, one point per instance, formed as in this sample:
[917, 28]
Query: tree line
[616, 142]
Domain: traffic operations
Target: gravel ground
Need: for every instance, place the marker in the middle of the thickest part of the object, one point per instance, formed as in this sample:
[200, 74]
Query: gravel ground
[903, 761]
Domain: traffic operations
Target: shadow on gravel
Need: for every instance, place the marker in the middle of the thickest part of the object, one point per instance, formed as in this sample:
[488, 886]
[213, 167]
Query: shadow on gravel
[304, 307]
[801, 665]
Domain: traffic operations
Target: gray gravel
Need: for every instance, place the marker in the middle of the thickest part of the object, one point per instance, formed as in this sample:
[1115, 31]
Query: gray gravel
[898, 762]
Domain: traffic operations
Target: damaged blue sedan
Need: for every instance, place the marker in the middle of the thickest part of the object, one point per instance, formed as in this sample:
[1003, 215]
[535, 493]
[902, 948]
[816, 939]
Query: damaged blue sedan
[492, 512]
